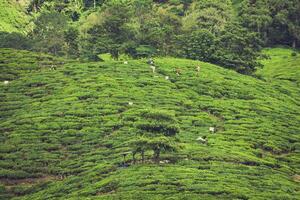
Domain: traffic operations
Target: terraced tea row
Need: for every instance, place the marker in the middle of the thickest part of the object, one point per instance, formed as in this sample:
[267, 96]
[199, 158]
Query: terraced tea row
[64, 130]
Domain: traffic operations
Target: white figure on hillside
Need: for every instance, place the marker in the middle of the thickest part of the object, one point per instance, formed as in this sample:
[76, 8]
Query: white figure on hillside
[212, 129]
[164, 161]
[202, 139]
[52, 67]
[130, 103]
[150, 61]
[178, 71]
[198, 69]
[167, 77]
[153, 68]
[125, 62]
[6, 82]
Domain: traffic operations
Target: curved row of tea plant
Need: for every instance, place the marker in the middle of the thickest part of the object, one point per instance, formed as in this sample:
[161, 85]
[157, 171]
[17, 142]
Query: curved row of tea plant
[66, 125]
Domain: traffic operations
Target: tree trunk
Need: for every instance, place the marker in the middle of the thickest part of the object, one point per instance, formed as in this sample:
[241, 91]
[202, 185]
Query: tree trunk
[265, 37]
[294, 43]
[133, 158]
[143, 156]
[156, 155]
[94, 4]
[124, 160]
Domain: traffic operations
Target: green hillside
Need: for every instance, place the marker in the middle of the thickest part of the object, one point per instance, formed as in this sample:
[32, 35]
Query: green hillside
[65, 125]
[275, 70]
[282, 70]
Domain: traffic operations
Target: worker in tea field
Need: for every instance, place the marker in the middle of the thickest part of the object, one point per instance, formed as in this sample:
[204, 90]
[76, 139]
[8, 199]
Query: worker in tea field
[151, 63]
[198, 69]
[178, 71]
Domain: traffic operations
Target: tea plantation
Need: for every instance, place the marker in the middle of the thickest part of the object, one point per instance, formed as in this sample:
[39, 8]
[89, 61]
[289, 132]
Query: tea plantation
[65, 125]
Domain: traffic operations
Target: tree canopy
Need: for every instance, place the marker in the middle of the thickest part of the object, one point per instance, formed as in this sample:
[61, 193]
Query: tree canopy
[156, 131]
[228, 33]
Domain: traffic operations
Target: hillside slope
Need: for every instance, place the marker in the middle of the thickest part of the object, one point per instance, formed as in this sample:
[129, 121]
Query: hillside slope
[282, 70]
[63, 131]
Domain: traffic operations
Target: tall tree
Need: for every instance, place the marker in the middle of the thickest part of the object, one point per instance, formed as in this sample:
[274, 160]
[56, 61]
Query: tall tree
[48, 32]
[286, 13]
[256, 16]
[158, 28]
[156, 131]
[71, 36]
[111, 34]
[238, 49]
[198, 45]
[15, 41]
[212, 15]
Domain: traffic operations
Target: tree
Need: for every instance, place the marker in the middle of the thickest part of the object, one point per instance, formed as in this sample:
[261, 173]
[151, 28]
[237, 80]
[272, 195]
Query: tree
[156, 130]
[49, 32]
[238, 49]
[212, 15]
[111, 33]
[286, 14]
[92, 3]
[277, 21]
[157, 28]
[139, 145]
[256, 16]
[35, 5]
[198, 45]
[15, 41]
[71, 38]
[235, 47]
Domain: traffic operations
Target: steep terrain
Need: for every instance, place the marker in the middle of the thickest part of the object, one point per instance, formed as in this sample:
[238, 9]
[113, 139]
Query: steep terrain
[65, 125]
[282, 70]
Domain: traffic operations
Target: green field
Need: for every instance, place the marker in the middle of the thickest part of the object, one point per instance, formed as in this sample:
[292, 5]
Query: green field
[63, 131]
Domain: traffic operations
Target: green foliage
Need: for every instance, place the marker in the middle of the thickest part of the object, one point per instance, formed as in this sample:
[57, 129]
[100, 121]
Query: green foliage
[13, 17]
[238, 49]
[64, 131]
[156, 127]
[234, 48]
[255, 16]
[212, 15]
[112, 34]
[276, 20]
[14, 40]
[157, 122]
[144, 51]
[198, 45]
[190, 29]
[48, 33]
[160, 31]
[71, 37]
[127, 27]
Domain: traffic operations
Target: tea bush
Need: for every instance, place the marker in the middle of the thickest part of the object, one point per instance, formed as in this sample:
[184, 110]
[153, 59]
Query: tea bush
[64, 132]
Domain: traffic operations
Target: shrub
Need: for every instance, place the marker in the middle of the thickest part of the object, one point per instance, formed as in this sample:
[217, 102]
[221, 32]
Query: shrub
[14, 41]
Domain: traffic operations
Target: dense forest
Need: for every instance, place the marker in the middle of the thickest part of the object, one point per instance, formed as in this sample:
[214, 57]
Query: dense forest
[224, 32]
[149, 99]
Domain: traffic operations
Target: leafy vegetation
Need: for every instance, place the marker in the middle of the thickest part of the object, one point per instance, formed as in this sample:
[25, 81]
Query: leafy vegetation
[12, 17]
[228, 33]
[68, 129]
[99, 100]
